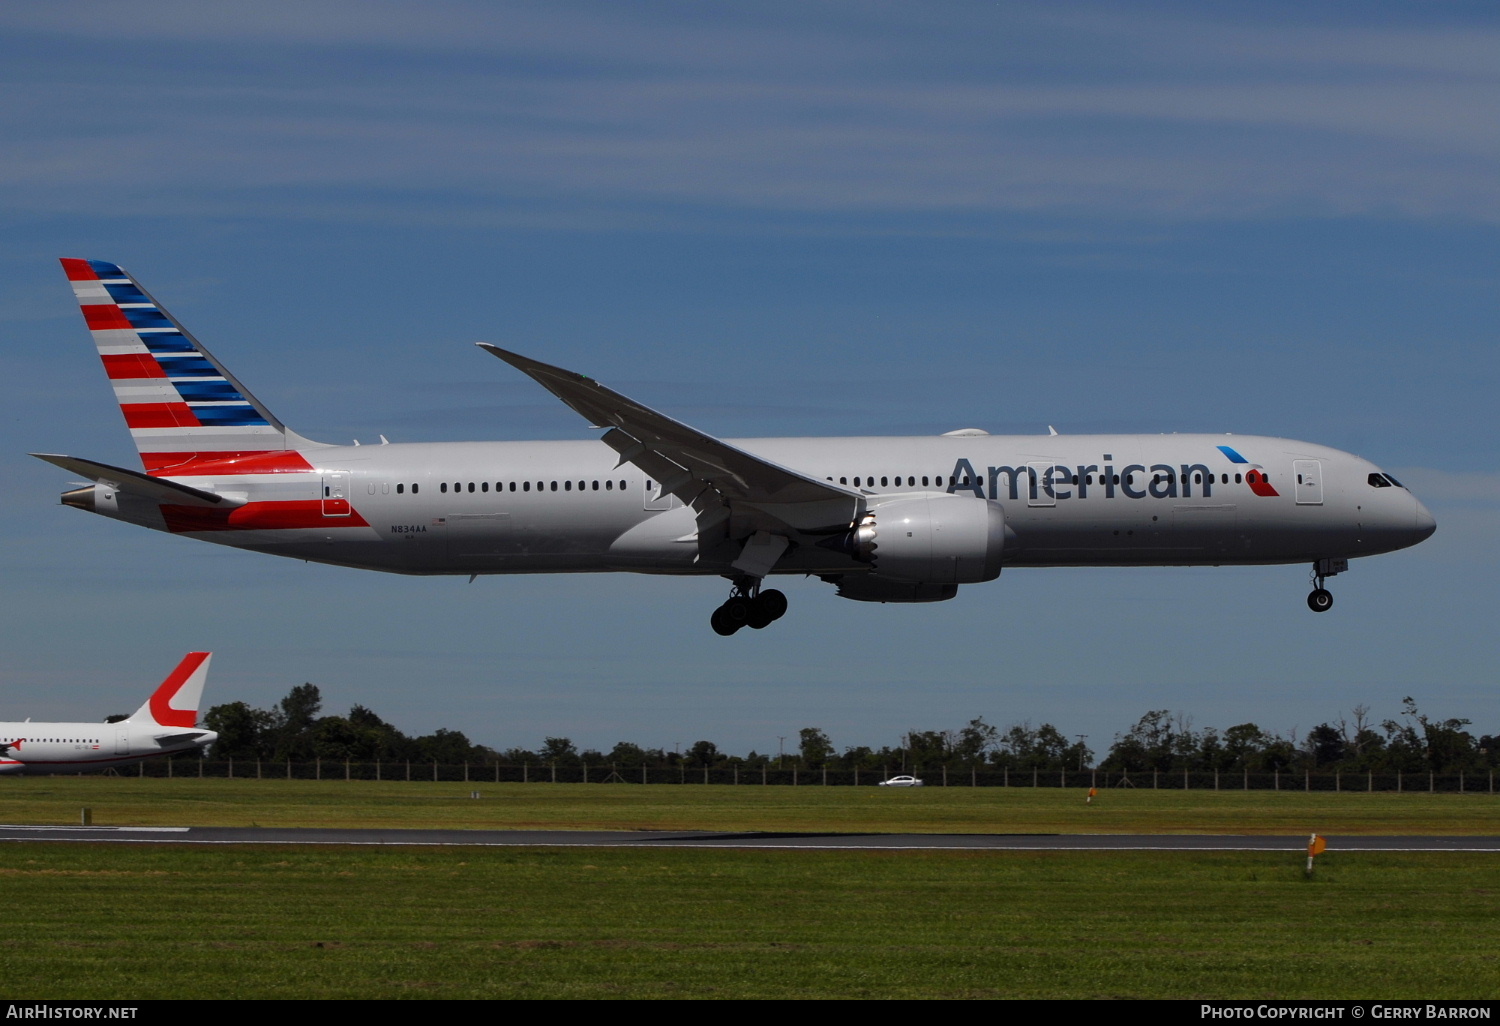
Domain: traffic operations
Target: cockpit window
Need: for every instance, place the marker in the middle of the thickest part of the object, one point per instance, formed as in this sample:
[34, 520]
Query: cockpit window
[1378, 481]
[1393, 481]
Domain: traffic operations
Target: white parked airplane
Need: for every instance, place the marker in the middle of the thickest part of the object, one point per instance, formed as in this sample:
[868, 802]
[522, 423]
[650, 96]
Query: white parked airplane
[167, 723]
[882, 519]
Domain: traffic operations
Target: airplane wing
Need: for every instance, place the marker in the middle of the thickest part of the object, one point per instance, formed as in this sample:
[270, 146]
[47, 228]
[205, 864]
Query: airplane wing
[716, 478]
[159, 489]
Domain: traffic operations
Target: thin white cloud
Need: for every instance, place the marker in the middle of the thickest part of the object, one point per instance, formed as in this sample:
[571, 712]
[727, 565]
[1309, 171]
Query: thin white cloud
[612, 107]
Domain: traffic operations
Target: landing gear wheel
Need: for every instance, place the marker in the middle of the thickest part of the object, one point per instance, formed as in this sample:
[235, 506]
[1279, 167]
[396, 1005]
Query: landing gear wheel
[721, 623]
[774, 603]
[1320, 601]
[760, 616]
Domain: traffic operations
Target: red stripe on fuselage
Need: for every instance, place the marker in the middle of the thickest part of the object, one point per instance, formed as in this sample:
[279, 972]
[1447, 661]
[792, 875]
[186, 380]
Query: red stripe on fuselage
[257, 516]
[192, 464]
[78, 270]
[132, 365]
[161, 699]
[158, 415]
[104, 316]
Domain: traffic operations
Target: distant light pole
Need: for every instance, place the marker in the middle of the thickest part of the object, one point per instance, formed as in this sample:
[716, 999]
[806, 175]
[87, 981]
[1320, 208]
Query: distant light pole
[1081, 739]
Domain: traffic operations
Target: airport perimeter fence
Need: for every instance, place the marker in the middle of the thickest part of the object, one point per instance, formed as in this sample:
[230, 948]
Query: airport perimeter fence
[1480, 782]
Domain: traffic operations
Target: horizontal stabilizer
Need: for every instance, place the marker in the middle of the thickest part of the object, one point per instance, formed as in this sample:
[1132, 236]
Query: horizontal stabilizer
[172, 740]
[136, 483]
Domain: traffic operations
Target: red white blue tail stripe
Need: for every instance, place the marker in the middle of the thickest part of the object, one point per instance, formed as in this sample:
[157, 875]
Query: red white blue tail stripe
[182, 407]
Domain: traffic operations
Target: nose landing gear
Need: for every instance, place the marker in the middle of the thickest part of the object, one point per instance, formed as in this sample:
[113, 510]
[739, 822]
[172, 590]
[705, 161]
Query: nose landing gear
[1321, 599]
[748, 607]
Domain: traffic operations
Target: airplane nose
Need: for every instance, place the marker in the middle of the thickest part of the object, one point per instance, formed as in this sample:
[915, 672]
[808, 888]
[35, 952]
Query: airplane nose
[1425, 524]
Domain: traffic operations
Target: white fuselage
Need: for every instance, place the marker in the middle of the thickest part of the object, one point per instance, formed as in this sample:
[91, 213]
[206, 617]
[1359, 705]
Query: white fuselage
[568, 506]
[77, 747]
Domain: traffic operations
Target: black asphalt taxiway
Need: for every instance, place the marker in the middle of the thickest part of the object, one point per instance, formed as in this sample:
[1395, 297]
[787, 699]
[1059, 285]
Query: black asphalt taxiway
[703, 839]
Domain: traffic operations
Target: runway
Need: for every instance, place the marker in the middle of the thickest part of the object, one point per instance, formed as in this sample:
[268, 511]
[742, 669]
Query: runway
[750, 840]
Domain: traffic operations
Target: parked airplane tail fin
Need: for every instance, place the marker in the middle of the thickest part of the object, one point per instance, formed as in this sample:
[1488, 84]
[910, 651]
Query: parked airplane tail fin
[175, 702]
[182, 406]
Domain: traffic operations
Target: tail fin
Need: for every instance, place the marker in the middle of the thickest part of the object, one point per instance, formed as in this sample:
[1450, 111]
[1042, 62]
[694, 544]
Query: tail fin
[182, 406]
[175, 702]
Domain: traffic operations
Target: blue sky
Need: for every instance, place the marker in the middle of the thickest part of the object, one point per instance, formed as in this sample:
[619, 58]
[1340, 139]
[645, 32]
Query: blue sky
[772, 219]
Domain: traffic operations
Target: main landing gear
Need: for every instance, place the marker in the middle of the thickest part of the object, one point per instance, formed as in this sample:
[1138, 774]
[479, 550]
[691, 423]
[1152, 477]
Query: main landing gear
[1321, 599]
[748, 607]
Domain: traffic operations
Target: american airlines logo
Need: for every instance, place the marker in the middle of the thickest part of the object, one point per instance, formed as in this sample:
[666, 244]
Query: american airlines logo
[1133, 481]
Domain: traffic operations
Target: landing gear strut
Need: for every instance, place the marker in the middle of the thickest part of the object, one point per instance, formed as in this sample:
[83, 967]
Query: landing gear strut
[748, 607]
[1321, 599]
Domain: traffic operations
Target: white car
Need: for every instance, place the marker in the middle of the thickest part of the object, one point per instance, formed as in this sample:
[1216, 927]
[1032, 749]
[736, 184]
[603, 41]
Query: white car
[901, 782]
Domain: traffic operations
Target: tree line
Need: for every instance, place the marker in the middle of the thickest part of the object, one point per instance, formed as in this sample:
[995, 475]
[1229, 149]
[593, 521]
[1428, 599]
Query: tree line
[1160, 740]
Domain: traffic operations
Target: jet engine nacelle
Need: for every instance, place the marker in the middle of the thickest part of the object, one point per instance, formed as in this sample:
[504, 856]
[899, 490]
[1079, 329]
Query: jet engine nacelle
[932, 539]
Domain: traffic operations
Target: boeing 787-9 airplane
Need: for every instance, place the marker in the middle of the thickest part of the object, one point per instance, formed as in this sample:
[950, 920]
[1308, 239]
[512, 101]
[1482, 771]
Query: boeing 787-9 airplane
[881, 519]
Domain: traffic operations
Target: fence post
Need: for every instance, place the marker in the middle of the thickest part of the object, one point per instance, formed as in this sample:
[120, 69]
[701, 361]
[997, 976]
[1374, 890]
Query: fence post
[1153, 779]
[257, 767]
[1307, 780]
[736, 774]
[1005, 777]
[643, 773]
[973, 776]
[231, 767]
[1033, 776]
[794, 776]
[1062, 778]
[169, 766]
[1430, 785]
[1369, 780]
[140, 768]
[1460, 781]
[377, 769]
[289, 768]
[1216, 778]
[762, 773]
[825, 774]
[1338, 782]
[585, 772]
[945, 774]
[1184, 778]
[705, 772]
[1247, 779]
[525, 772]
[856, 777]
[346, 769]
[554, 772]
[1277, 771]
[1398, 781]
[466, 771]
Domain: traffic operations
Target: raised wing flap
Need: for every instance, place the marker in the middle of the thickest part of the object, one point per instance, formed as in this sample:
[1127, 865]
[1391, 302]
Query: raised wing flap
[133, 481]
[689, 463]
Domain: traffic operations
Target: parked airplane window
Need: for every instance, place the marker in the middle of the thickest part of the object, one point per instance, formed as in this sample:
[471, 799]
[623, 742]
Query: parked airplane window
[580, 486]
[414, 489]
[1223, 479]
[856, 482]
[883, 484]
[1117, 481]
[554, 486]
[526, 486]
[609, 486]
[622, 486]
[442, 487]
[1378, 481]
[471, 486]
[400, 488]
[567, 486]
[1237, 479]
[484, 486]
[1130, 479]
[843, 480]
[596, 486]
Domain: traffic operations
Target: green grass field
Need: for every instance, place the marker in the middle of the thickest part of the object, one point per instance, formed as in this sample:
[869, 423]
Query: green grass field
[129, 922]
[133, 801]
